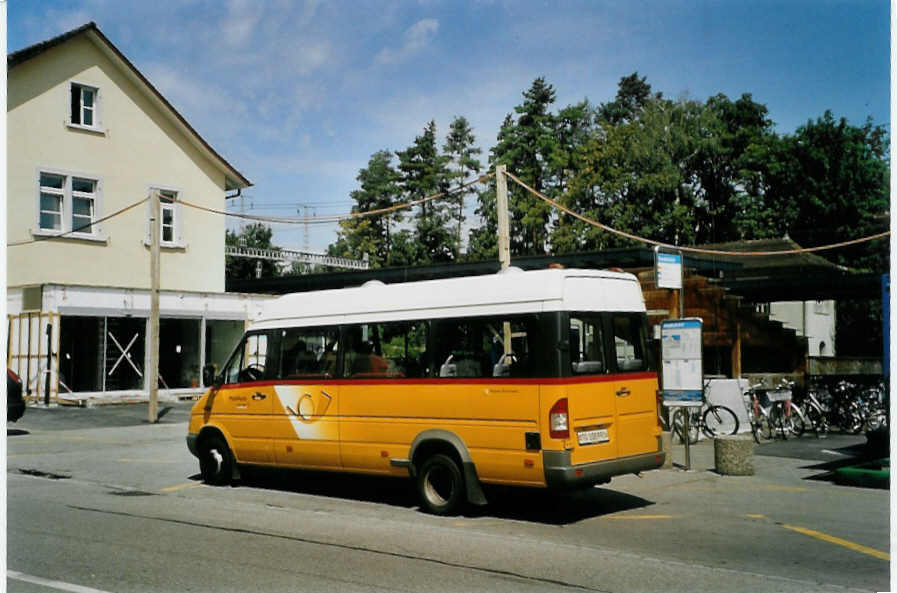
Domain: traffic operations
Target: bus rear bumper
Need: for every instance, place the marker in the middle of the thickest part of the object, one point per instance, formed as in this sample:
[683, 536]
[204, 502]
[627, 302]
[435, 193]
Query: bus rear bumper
[560, 473]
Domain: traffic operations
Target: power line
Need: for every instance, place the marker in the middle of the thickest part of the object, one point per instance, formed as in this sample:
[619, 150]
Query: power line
[79, 229]
[333, 219]
[690, 249]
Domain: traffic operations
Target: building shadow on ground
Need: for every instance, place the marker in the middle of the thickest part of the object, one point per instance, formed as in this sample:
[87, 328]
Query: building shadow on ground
[848, 456]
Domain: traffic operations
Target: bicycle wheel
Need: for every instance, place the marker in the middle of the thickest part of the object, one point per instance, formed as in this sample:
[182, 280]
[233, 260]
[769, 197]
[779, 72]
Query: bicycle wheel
[852, 419]
[762, 428]
[796, 422]
[678, 425]
[719, 420]
[875, 420]
[817, 420]
[772, 421]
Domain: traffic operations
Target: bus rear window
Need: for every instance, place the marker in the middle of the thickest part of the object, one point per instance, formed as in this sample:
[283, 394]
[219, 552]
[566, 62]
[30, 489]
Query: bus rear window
[586, 345]
[629, 342]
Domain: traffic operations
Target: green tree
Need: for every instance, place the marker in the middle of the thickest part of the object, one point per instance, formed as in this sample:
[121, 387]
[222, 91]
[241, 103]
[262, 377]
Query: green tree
[424, 172]
[725, 142]
[633, 93]
[242, 268]
[526, 146]
[371, 236]
[483, 240]
[574, 125]
[460, 149]
[632, 176]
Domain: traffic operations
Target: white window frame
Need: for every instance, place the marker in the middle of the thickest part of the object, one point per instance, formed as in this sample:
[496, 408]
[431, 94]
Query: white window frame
[96, 110]
[176, 210]
[67, 196]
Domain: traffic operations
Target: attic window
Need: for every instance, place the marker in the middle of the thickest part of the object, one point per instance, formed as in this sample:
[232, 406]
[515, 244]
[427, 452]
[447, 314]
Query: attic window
[84, 105]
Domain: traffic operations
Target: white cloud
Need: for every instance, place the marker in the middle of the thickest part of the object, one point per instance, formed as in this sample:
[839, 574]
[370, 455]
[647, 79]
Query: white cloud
[240, 21]
[417, 38]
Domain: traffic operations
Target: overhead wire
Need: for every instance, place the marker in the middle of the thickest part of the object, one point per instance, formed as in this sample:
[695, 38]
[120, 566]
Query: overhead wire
[686, 249]
[329, 219]
[336, 218]
[40, 238]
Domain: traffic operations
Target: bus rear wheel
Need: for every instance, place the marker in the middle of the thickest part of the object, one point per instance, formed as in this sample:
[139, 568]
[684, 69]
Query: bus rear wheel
[440, 485]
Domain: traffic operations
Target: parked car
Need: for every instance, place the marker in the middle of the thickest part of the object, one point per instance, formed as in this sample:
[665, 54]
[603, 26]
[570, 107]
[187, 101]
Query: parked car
[15, 404]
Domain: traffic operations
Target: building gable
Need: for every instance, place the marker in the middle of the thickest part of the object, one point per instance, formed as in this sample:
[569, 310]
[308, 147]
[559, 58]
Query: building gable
[233, 178]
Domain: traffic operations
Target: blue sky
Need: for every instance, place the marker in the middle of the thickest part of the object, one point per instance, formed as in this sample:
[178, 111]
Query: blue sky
[297, 95]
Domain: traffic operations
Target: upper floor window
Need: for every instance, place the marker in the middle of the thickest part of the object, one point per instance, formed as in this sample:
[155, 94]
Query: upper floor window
[170, 234]
[84, 106]
[67, 204]
[168, 210]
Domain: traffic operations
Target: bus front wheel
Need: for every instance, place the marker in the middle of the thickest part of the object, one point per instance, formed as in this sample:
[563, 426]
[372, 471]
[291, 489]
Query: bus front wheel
[215, 461]
[440, 485]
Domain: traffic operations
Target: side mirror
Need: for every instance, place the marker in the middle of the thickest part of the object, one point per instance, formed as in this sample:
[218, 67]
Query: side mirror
[209, 378]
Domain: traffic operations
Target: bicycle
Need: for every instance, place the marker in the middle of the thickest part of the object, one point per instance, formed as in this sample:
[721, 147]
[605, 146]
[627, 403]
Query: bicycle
[842, 409]
[757, 414]
[782, 413]
[815, 414]
[714, 421]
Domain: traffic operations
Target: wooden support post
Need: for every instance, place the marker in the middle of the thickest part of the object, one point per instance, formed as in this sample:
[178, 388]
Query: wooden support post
[736, 352]
[501, 205]
[504, 234]
[675, 313]
[153, 371]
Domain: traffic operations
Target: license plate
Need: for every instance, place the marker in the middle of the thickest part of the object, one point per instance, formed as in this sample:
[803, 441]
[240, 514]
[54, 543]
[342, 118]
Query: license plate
[590, 437]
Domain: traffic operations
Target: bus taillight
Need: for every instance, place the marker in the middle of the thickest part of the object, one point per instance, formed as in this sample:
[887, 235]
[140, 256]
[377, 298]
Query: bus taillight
[559, 420]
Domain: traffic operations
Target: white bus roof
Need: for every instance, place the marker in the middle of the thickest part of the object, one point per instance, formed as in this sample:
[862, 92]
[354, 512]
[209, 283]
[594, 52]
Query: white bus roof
[506, 293]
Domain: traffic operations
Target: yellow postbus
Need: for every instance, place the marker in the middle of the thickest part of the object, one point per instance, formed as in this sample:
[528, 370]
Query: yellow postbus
[537, 378]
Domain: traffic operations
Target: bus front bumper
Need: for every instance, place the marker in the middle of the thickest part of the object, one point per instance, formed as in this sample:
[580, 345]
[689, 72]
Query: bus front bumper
[560, 473]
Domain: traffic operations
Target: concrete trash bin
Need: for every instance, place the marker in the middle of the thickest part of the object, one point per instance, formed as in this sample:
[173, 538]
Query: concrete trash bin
[734, 455]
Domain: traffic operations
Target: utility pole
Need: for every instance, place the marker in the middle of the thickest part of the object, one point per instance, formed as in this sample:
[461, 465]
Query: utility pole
[504, 238]
[153, 371]
[501, 204]
[306, 235]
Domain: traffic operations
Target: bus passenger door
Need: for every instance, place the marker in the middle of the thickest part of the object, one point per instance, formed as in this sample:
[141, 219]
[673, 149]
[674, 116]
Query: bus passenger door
[306, 410]
[307, 426]
[590, 397]
[634, 387]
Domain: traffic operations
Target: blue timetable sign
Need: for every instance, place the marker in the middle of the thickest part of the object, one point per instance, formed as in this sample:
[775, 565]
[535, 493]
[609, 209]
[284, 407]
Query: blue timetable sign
[682, 361]
[668, 268]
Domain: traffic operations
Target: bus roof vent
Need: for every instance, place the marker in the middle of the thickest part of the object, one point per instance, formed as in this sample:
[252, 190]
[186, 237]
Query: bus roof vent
[370, 283]
[510, 270]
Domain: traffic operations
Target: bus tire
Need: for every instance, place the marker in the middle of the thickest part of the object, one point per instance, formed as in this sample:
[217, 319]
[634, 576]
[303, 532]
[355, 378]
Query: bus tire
[215, 461]
[440, 485]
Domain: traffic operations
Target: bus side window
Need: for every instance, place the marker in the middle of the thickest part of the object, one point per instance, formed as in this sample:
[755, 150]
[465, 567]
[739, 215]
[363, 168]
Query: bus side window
[309, 353]
[404, 346]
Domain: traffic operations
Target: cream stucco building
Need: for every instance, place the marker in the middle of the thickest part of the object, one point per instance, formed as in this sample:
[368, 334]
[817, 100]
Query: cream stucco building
[89, 138]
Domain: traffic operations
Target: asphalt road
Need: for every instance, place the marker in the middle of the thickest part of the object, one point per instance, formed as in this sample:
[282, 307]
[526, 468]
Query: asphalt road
[100, 500]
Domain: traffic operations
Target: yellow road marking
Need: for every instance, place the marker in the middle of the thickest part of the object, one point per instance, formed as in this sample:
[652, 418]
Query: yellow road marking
[182, 487]
[838, 541]
[755, 516]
